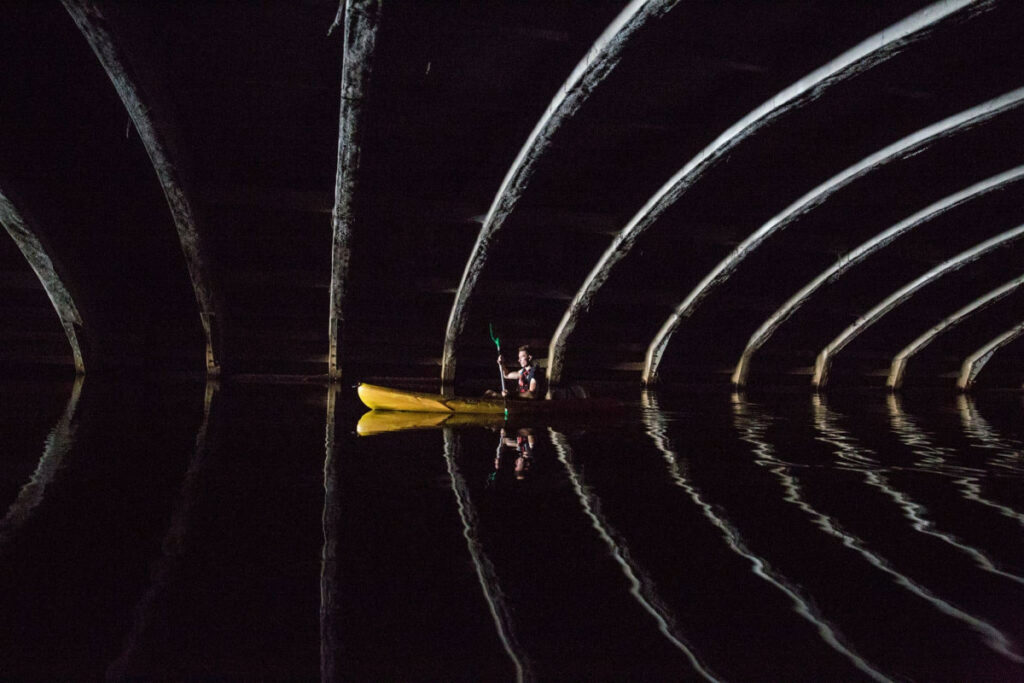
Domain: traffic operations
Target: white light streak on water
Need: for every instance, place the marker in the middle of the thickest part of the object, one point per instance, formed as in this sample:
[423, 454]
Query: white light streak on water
[485, 573]
[914, 512]
[752, 427]
[641, 588]
[804, 606]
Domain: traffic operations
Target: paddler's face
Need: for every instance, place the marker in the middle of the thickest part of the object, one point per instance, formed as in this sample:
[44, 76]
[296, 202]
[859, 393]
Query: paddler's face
[524, 359]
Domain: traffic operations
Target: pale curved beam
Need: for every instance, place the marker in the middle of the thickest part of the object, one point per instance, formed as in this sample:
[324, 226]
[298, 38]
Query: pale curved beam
[897, 150]
[899, 363]
[156, 133]
[49, 271]
[974, 363]
[824, 361]
[599, 61]
[361, 19]
[882, 239]
[861, 57]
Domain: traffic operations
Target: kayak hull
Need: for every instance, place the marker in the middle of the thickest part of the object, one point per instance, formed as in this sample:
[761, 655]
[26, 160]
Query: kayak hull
[385, 398]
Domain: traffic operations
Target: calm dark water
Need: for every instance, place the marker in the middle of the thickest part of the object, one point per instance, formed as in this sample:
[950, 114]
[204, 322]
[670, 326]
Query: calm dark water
[176, 530]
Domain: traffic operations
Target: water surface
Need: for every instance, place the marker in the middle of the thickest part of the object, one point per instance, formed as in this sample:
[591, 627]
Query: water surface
[179, 530]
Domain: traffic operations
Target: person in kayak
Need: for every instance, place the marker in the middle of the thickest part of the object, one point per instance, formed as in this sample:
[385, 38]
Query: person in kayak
[529, 376]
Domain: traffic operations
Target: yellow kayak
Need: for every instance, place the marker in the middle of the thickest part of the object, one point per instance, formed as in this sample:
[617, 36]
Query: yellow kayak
[385, 398]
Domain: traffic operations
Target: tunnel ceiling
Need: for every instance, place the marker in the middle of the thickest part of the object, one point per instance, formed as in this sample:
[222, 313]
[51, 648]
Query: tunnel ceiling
[761, 192]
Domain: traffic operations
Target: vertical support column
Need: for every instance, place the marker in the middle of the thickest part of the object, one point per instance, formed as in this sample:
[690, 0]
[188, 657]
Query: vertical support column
[361, 19]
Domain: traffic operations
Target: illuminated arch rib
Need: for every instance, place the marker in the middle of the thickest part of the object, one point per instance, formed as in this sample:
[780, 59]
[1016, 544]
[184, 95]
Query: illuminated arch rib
[595, 66]
[825, 358]
[361, 19]
[974, 363]
[899, 363]
[156, 132]
[48, 270]
[861, 57]
[883, 239]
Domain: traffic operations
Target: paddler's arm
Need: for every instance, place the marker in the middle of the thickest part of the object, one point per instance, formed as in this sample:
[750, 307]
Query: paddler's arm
[513, 374]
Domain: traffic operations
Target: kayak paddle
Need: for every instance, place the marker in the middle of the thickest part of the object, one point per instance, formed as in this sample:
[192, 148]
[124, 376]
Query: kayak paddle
[501, 369]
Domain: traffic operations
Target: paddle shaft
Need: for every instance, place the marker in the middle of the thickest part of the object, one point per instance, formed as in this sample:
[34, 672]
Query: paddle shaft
[501, 370]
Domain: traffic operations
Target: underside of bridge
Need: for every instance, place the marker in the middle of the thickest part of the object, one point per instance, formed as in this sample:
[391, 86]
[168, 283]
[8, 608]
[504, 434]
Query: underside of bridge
[761, 192]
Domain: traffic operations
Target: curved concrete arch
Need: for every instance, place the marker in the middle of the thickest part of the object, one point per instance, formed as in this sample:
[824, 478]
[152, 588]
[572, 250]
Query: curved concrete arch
[827, 355]
[156, 133]
[882, 239]
[864, 55]
[899, 362]
[48, 269]
[599, 61]
[975, 362]
[917, 140]
[361, 19]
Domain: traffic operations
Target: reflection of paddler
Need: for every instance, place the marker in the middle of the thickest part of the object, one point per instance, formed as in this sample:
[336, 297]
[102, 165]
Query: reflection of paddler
[523, 444]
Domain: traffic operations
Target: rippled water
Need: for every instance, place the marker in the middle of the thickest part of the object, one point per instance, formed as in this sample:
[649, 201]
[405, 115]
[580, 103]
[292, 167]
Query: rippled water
[176, 530]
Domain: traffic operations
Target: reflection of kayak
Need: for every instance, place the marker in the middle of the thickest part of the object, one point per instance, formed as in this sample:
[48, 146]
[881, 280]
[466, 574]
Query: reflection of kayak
[383, 398]
[383, 421]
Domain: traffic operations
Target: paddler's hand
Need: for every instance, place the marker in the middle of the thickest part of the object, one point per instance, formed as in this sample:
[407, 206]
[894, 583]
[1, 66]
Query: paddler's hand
[501, 361]
[504, 392]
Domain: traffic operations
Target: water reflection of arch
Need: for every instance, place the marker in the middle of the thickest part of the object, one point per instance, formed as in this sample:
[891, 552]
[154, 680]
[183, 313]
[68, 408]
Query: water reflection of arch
[330, 639]
[752, 426]
[983, 435]
[803, 604]
[58, 443]
[826, 422]
[867, 248]
[827, 355]
[173, 545]
[935, 459]
[642, 587]
[500, 612]
[864, 55]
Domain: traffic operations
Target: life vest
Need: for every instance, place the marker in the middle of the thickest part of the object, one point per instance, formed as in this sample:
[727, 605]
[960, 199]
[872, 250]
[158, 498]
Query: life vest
[525, 375]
